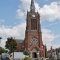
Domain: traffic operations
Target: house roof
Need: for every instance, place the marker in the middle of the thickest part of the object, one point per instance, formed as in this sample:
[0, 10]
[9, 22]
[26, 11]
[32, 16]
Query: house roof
[19, 40]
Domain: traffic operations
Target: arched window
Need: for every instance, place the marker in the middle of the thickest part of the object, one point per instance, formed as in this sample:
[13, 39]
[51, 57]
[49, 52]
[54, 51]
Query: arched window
[33, 24]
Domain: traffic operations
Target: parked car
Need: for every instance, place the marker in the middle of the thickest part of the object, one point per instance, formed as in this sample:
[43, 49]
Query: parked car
[4, 56]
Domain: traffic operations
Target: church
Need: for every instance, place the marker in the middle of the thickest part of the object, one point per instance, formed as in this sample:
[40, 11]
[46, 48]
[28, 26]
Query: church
[33, 35]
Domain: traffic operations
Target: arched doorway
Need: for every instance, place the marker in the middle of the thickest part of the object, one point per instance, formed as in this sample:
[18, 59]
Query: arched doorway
[34, 54]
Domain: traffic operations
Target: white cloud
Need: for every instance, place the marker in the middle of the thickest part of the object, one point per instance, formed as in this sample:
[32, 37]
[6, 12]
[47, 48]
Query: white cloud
[20, 14]
[48, 37]
[54, 46]
[37, 7]
[48, 12]
[22, 8]
[18, 32]
[25, 4]
[2, 44]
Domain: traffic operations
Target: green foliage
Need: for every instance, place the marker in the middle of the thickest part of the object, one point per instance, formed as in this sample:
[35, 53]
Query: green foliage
[26, 52]
[2, 50]
[11, 44]
[27, 58]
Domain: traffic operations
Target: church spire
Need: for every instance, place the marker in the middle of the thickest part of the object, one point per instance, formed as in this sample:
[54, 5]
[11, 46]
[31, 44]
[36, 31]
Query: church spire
[32, 7]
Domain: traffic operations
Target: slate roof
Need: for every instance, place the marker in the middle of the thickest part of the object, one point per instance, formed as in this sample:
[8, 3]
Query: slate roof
[19, 40]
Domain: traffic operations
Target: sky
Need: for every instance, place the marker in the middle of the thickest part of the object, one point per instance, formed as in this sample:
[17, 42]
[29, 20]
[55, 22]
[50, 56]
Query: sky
[13, 20]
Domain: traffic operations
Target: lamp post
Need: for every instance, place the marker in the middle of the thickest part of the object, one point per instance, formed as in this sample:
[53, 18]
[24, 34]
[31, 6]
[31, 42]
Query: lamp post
[0, 39]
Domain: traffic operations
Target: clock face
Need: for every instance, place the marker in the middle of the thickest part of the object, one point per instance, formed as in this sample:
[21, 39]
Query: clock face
[33, 15]
[34, 40]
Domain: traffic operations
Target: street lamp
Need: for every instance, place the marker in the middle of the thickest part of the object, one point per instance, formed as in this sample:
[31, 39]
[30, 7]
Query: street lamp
[0, 39]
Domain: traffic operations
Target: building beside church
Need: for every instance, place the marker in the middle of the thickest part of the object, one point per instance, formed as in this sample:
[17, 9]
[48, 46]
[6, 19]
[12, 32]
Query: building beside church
[33, 35]
[54, 53]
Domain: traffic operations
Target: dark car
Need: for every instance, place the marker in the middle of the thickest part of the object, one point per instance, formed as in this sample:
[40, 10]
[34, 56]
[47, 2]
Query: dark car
[4, 56]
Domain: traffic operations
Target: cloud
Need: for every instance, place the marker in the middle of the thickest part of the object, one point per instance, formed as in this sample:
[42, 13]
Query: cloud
[25, 4]
[48, 37]
[19, 13]
[50, 12]
[47, 12]
[18, 32]
[2, 43]
[54, 46]
[22, 8]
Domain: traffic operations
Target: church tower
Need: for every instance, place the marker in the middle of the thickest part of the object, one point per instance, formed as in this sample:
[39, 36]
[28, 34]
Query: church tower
[33, 34]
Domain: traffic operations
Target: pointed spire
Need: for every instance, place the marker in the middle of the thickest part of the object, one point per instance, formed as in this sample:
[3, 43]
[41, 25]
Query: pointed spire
[32, 7]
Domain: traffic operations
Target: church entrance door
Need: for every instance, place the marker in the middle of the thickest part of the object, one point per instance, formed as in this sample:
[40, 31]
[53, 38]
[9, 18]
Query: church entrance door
[34, 54]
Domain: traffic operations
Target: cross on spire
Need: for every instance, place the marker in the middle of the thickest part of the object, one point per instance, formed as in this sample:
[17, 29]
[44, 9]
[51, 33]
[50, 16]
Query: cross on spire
[32, 7]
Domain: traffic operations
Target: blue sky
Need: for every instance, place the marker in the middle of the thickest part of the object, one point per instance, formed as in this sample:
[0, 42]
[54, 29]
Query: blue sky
[8, 11]
[13, 18]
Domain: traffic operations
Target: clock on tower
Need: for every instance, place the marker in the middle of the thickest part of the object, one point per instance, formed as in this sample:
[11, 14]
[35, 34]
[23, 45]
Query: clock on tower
[33, 15]
[34, 40]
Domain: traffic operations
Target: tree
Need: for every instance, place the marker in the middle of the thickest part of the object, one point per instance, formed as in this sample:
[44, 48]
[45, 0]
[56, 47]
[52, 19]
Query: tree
[11, 44]
[2, 50]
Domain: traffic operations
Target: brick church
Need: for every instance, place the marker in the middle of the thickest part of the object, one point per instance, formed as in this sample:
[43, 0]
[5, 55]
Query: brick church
[33, 35]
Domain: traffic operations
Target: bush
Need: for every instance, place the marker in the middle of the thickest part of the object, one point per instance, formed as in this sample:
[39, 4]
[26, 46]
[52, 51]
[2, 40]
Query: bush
[27, 58]
[26, 52]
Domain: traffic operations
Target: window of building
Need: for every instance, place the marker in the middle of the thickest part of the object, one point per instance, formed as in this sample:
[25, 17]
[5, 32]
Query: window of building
[33, 24]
